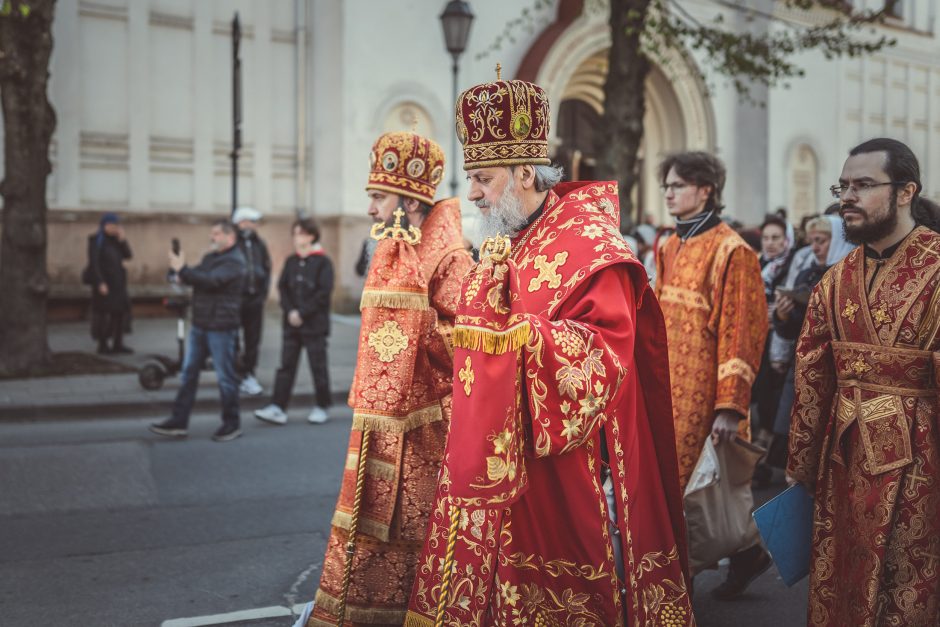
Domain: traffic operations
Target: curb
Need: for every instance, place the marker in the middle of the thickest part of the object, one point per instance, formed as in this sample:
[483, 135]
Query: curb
[31, 413]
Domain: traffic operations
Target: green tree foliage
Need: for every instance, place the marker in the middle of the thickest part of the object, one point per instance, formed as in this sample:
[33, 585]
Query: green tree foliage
[758, 46]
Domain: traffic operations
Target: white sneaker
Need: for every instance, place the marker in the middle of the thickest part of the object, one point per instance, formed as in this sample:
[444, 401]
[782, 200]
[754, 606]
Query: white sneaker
[250, 386]
[273, 414]
[318, 416]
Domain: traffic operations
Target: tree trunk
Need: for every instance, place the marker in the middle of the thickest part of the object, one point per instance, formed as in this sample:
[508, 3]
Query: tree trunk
[28, 119]
[621, 128]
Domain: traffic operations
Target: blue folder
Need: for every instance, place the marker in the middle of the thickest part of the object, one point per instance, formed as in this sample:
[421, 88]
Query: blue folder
[786, 525]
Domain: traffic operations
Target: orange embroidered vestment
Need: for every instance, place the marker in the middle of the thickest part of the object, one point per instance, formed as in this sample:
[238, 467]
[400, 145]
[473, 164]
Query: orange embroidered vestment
[712, 296]
[864, 430]
[559, 368]
[401, 408]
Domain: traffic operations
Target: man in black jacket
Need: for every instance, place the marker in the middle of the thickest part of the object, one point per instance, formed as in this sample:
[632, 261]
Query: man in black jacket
[257, 283]
[217, 296]
[306, 285]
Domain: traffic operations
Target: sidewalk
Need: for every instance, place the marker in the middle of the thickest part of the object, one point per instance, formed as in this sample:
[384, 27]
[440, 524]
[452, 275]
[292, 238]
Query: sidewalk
[121, 394]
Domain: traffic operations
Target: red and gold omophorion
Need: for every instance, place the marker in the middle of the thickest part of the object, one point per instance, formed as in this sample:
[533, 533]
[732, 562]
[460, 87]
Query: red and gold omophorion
[400, 398]
[865, 431]
[712, 296]
[559, 364]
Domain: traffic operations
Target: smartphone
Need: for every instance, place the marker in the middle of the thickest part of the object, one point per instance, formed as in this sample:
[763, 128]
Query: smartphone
[175, 246]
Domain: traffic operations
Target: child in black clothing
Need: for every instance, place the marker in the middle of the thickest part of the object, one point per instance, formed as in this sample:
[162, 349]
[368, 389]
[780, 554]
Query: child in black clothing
[305, 286]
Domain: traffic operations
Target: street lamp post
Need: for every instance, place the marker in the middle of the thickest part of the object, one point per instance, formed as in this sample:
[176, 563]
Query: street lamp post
[236, 106]
[456, 20]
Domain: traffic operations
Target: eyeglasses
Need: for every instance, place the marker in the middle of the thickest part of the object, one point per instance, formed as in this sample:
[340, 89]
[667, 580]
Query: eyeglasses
[859, 189]
[674, 187]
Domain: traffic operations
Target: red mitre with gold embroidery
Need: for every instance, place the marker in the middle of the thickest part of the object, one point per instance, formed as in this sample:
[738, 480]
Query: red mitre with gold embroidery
[406, 164]
[503, 123]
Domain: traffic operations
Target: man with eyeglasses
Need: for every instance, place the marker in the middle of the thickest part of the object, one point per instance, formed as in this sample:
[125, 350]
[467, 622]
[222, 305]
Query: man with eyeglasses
[864, 435]
[710, 288]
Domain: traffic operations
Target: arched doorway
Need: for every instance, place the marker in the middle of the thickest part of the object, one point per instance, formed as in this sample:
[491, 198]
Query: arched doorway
[572, 68]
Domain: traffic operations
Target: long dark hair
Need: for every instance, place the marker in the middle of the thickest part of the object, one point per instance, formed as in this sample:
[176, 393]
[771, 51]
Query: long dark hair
[902, 167]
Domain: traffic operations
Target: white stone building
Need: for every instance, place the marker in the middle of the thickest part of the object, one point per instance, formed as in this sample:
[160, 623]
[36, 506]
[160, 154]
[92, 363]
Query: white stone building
[142, 91]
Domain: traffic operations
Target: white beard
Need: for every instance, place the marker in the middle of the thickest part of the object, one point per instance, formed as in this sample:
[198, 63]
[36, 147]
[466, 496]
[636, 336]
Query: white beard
[506, 216]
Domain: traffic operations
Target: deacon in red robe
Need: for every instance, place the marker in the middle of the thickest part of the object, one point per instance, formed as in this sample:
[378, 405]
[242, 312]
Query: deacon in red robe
[401, 391]
[558, 501]
[864, 434]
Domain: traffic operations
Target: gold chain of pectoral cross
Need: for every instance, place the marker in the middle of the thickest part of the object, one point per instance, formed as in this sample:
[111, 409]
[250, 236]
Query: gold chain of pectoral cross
[525, 238]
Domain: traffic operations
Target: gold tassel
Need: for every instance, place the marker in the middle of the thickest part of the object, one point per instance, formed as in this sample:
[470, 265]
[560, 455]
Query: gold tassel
[397, 299]
[492, 342]
[416, 620]
[447, 568]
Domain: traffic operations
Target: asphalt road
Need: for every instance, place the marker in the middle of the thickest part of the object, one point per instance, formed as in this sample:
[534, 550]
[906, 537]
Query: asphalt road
[103, 524]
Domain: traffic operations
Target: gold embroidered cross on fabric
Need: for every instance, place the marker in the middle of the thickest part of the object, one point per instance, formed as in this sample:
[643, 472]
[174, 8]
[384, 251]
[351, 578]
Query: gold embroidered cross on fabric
[880, 315]
[548, 271]
[388, 341]
[859, 366]
[466, 376]
[850, 310]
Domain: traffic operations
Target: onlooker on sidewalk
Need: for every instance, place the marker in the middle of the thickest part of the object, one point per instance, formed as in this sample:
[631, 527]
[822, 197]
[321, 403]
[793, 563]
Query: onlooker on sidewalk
[305, 285]
[105, 273]
[257, 283]
[217, 293]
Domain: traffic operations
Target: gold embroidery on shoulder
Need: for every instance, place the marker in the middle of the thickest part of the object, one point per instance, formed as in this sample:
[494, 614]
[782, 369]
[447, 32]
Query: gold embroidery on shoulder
[548, 271]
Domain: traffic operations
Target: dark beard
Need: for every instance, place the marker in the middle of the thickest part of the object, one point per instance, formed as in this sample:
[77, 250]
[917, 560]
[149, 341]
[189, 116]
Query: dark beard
[872, 231]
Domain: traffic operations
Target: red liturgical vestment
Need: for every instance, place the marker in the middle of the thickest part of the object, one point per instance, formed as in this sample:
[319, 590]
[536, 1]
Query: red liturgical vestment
[401, 404]
[865, 431]
[712, 296]
[559, 367]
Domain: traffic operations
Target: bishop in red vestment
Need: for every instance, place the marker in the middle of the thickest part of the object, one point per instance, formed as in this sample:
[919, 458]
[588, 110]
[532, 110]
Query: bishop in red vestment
[864, 432]
[558, 501]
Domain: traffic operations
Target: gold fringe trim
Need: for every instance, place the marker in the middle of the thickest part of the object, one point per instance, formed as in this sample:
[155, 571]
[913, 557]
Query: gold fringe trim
[374, 467]
[367, 526]
[492, 342]
[397, 299]
[357, 613]
[363, 420]
[416, 620]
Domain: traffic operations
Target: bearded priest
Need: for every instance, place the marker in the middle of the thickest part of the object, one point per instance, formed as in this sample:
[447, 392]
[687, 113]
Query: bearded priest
[401, 389]
[558, 501]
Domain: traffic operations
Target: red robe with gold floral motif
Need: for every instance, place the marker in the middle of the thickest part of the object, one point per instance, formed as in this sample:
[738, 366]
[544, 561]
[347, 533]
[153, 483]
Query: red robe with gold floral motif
[559, 366]
[865, 431]
[401, 396]
[712, 296]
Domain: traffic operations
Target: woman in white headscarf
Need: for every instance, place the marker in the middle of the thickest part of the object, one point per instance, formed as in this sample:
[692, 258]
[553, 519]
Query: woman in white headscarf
[826, 238]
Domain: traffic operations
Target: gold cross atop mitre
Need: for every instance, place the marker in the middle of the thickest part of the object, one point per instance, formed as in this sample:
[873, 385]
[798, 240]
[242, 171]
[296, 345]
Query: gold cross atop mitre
[411, 235]
[499, 69]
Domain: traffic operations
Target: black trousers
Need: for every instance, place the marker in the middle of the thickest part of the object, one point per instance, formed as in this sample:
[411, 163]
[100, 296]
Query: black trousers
[110, 325]
[252, 322]
[315, 344]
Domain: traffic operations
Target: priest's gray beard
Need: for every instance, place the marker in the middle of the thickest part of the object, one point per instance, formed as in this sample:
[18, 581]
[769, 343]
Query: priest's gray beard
[506, 217]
